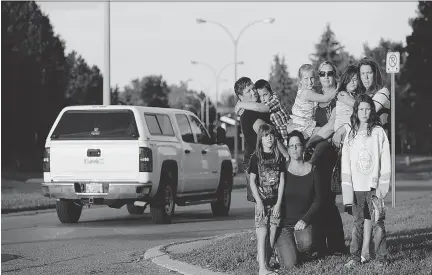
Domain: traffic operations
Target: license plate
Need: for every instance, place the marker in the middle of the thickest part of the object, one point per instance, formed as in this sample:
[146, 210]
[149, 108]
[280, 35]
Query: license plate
[94, 188]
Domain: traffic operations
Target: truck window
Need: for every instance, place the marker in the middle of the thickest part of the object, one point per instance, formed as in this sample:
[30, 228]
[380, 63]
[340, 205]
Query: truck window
[159, 125]
[200, 132]
[96, 124]
[185, 128]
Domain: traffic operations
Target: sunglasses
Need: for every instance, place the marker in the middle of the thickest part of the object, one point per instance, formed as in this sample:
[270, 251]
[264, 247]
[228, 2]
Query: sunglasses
[329, 73]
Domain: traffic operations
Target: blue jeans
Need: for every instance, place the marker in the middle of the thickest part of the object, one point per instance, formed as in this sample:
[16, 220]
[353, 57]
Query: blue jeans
[362, 209]
[287, 247]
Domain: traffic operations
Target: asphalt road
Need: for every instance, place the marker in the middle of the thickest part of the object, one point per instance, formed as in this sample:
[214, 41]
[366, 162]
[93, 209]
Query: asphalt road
[107, 241]
[110, 241]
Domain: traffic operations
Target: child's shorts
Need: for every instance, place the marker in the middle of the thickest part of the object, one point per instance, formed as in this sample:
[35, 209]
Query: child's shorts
[268, 218]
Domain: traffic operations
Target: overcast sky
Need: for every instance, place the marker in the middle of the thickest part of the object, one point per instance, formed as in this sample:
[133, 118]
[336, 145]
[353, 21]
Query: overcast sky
[162, 38]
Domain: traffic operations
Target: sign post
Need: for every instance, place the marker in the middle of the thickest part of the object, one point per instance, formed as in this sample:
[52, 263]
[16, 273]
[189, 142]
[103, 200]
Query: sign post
[392, 67]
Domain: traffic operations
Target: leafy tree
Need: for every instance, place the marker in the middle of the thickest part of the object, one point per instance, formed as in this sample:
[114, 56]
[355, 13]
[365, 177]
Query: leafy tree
[330, 49]
[131, 94]
[115, 96]
[155, 91]
[281, 83]
[178, 96]
[34, 82]
[150, 90]
[418, 66]
[85, 85]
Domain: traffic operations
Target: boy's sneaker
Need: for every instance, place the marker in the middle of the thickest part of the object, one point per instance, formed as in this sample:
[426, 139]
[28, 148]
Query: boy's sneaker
[352, 263]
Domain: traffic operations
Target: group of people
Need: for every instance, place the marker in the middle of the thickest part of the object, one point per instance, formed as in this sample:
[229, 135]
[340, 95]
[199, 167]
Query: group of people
[331, 142]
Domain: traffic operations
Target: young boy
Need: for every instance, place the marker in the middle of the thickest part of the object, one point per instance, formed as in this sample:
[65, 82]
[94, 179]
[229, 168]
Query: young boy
[270, 103]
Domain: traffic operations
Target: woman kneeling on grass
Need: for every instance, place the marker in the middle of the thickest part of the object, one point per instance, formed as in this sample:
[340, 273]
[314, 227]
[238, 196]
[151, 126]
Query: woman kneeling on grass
[301, 199]
[269, 165]
[366, 167]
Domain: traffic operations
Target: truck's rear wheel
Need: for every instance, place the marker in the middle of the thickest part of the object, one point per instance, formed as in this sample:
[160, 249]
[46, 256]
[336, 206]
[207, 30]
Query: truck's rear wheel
[134, 210]
[68, 211]
[222, 206]
[162, 209]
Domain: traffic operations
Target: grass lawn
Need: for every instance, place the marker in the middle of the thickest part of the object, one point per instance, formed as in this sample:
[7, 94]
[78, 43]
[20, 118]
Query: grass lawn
[16, 195]
[409, 241]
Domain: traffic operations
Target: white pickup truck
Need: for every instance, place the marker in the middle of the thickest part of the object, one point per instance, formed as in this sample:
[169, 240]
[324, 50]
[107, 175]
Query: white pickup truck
[134, 155]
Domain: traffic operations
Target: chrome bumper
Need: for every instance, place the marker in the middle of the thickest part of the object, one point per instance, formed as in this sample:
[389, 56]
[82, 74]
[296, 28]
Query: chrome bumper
[117, 190]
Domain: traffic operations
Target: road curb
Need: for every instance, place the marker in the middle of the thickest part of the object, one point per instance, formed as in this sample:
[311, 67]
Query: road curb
[159, 256]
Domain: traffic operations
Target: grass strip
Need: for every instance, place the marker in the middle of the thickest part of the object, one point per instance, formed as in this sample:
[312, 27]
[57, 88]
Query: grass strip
[16, 196]
[409, 242]
[16, 202]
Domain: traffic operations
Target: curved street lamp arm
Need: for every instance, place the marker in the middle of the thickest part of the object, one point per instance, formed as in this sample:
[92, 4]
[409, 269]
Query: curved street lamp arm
[209, 66]
[225, 29]
[246, 27]
[229, 64]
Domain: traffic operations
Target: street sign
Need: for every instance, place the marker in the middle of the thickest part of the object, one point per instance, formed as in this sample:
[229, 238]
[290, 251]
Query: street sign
[393, 62]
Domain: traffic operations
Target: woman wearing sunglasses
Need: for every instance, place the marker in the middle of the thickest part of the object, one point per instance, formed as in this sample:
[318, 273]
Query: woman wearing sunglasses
[306, 102]
[330, 236]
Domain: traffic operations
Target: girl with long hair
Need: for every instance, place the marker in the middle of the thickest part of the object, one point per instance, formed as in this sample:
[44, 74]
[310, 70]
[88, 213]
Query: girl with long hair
[366, 169]
[268, 166]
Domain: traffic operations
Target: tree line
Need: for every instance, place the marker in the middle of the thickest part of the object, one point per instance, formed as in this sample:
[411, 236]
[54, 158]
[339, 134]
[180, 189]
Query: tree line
[39, 79]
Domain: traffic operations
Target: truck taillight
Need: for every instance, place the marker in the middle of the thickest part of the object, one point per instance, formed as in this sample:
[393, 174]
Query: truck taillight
[46, 160]
[145, 159]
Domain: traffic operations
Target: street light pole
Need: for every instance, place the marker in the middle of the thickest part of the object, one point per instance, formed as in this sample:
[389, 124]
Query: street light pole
[235, 43]
[106, 97]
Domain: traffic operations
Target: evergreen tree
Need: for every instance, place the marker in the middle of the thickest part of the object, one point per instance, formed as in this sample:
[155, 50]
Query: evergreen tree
[330, 49]
[85, 84]
[281, 83]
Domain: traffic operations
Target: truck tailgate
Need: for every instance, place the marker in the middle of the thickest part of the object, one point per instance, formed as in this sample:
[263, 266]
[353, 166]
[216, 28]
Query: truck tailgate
[95, 160]
[95, 145]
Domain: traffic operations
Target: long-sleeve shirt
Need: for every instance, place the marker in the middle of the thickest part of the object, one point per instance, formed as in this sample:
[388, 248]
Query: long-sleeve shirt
[366, 161]
[302, 197]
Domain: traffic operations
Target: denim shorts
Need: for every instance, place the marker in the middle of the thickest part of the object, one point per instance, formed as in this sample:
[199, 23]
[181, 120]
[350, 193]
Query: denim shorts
[268, 218]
